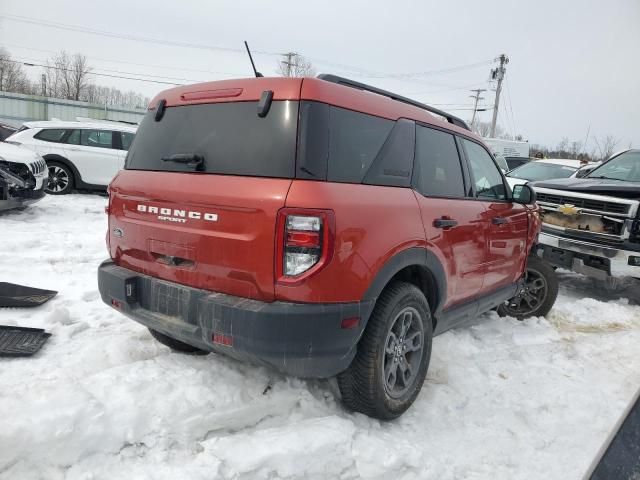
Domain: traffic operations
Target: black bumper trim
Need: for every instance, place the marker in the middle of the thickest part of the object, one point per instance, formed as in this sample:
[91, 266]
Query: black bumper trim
[300, 339]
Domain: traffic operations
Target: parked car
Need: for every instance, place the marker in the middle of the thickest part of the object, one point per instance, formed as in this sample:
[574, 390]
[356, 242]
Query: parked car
[543, 170]
[23, 177]
[319, 229]
[591, 225]
[515, 162]
[78, 154]
[5, 131]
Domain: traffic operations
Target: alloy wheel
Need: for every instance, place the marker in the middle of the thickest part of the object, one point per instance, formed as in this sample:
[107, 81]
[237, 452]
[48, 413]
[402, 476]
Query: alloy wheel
[403, 350]
[58, 179]
[531, 295]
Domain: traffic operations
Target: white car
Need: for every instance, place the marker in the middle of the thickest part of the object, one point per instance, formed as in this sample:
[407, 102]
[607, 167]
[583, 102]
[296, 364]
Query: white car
[545, 169]
[23, 177]
[78, 154]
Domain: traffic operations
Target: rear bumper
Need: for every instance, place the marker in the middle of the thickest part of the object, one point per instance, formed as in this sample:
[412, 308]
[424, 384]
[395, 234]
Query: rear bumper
[300, 339]
[588, 258]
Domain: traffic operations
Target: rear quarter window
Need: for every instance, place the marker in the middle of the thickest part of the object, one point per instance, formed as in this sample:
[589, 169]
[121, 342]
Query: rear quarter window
[51, 135]
[354, 141]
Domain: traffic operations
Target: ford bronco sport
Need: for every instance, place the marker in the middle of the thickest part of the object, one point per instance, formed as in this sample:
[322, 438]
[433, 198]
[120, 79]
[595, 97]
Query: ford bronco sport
[319, 226]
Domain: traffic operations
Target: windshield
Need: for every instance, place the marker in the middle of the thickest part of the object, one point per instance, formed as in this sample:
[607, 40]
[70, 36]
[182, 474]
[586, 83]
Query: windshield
[541, 171]
[624, 167]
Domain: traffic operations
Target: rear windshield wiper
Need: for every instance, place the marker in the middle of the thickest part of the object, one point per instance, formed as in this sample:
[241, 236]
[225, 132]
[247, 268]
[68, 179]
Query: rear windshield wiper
[190, 159]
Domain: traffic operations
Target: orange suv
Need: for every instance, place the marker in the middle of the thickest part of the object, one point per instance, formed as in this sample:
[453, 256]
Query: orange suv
[319, 226]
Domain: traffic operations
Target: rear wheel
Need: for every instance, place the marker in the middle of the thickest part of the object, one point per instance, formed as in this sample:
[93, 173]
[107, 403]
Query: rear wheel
[60, 179]
[176, 345]
[393, 355]
[537, 295]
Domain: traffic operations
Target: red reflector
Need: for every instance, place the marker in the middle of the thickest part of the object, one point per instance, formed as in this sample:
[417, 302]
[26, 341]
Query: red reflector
[116, 304]
[205, 94]
[221, 339]
[303, 239]
[348, 323]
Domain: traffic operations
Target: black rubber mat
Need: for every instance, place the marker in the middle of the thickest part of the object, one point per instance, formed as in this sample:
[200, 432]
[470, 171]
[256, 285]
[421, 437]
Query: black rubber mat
[21, 341]
[12, 295]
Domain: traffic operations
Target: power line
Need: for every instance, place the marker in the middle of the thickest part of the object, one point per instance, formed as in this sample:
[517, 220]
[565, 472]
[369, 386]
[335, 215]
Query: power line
[31, 60]
[92, 73]
[124, 36]
[123, 62]
[92, 69]
[513, 118]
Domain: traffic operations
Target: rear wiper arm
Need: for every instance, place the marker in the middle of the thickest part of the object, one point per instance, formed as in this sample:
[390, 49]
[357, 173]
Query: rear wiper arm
[190, 159]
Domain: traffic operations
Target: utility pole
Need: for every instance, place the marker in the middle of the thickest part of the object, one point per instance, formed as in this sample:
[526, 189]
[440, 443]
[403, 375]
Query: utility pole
[477, 98]
[498, 74]
[289, 63]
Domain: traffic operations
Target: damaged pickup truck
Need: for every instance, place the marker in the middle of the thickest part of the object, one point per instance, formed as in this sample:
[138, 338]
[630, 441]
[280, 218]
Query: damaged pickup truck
[591, 225]
[23, 177]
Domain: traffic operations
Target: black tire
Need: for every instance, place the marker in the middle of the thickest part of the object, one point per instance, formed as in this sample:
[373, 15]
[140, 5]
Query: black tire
[61, 179]
[364, 386]
[538, 294]
[176, 345]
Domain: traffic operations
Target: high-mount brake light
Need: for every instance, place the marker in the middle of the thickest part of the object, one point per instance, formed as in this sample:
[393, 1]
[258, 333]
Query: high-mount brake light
[305, 243]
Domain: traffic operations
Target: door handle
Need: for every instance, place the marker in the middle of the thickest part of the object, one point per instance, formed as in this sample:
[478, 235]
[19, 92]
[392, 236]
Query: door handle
[499, 220]
[444, 223]
[75, 149]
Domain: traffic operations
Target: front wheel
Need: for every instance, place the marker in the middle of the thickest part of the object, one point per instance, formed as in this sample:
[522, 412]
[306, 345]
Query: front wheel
[537, 295]
[393, 355]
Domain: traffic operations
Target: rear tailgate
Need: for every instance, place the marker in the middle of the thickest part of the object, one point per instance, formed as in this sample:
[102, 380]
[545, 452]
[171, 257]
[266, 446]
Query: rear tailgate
[209, 224]
[212, 232]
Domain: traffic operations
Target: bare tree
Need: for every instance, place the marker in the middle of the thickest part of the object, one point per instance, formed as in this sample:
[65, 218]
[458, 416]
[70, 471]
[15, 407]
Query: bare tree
[295, 65]
[67, 76]
[606, 145]
[484, 129]
[79, 72]
[12, 75]
[576, 148]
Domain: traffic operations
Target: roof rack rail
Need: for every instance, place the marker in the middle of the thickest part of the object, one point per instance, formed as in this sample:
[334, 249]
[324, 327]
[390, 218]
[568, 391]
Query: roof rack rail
[327, 77]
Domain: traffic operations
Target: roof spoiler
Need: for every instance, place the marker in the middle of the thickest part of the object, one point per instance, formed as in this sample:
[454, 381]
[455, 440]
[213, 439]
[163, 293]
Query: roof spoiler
[362, 86]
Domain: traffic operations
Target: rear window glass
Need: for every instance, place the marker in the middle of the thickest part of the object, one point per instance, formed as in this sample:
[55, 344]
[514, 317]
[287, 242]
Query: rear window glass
[231, 138]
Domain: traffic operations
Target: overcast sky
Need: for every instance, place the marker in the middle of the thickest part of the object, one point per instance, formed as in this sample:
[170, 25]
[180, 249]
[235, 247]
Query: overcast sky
[574, 64]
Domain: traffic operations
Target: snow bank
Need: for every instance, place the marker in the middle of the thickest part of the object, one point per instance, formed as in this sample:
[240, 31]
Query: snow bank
[103, 400]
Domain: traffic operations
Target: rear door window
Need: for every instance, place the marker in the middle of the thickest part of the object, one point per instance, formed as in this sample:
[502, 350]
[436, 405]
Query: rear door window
[231, 138]
[96, 138]
[438, 168]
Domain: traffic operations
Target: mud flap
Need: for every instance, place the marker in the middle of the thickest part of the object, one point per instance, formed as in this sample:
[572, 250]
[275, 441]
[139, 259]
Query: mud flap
[12, 295]
[21, 341]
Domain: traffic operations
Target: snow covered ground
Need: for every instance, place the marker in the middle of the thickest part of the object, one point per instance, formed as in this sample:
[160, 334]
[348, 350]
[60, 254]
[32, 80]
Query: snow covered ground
[103, 400]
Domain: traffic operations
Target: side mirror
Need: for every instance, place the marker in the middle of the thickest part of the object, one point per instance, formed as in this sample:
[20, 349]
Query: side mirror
[524, 194]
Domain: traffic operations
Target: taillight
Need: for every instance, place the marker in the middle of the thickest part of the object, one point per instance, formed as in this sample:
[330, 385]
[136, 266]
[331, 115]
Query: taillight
[304, 243]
